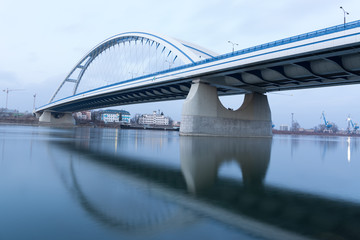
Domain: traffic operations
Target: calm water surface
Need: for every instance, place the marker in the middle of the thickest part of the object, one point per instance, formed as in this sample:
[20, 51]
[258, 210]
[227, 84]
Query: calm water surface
[88, 183]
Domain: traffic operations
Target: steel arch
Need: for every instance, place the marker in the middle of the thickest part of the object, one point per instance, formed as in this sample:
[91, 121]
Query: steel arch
[187, 52]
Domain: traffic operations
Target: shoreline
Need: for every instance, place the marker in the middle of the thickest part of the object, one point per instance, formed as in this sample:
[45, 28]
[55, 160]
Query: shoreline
[278, 132]
[136, 127]
[165, 128]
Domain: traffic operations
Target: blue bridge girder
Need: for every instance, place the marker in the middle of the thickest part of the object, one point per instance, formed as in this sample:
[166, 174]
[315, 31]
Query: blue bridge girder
[327, 57]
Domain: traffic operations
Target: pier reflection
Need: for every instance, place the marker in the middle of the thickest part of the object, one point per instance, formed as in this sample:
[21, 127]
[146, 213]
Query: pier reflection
[138, 196]
[202, 157]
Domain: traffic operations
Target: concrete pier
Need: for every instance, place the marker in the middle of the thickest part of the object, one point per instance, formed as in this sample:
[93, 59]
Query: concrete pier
[56, 119]
[204, 115]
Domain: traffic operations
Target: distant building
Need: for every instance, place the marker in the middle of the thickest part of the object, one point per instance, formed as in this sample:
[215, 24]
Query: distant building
[84, 115]
[115, 116]
[5, 112]
[284, 128]
[154, 119]
[125, 116]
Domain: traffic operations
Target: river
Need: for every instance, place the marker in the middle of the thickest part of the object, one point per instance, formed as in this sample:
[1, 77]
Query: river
[91, 183]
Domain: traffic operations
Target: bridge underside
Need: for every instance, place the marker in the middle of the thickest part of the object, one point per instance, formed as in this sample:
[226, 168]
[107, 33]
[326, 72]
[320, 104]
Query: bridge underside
[328, 68]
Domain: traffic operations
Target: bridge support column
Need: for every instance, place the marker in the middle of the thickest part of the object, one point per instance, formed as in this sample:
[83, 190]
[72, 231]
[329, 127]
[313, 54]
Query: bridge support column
[56, 119]
[204, 115]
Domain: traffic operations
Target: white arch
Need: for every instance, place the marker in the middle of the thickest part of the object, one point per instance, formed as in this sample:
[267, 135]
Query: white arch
[187, 52]
[201, 52]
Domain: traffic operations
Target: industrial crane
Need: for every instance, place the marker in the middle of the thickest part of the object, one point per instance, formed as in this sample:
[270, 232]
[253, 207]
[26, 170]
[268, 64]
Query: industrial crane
[327, 123]
[7, 94]
[355, 126]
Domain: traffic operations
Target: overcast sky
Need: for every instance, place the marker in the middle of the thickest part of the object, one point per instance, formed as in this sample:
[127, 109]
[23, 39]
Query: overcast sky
[41, 41]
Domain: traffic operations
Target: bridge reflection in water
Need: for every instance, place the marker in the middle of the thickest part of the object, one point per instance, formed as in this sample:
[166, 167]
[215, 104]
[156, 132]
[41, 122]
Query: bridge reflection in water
[181, 197]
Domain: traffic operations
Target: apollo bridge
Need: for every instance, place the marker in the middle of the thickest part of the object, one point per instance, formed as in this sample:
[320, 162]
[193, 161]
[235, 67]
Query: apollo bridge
[140, 67]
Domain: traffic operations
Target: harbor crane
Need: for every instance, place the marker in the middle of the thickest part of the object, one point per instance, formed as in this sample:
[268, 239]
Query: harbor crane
[354, 126]
[7, 94]
[328, 125]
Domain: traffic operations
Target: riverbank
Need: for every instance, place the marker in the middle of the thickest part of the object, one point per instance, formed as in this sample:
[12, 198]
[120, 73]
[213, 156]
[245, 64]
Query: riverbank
[19, 122]
[303, 133]
[168, 128]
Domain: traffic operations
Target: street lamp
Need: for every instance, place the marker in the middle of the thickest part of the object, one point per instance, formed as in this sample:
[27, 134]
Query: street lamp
[345, 13]
[34, 101]
[233, 44]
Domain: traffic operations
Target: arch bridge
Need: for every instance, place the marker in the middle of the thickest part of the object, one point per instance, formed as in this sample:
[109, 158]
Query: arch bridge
[138, 67]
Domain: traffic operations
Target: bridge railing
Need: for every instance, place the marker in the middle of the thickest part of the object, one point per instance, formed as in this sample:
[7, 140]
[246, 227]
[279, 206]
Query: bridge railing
[293, 39]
